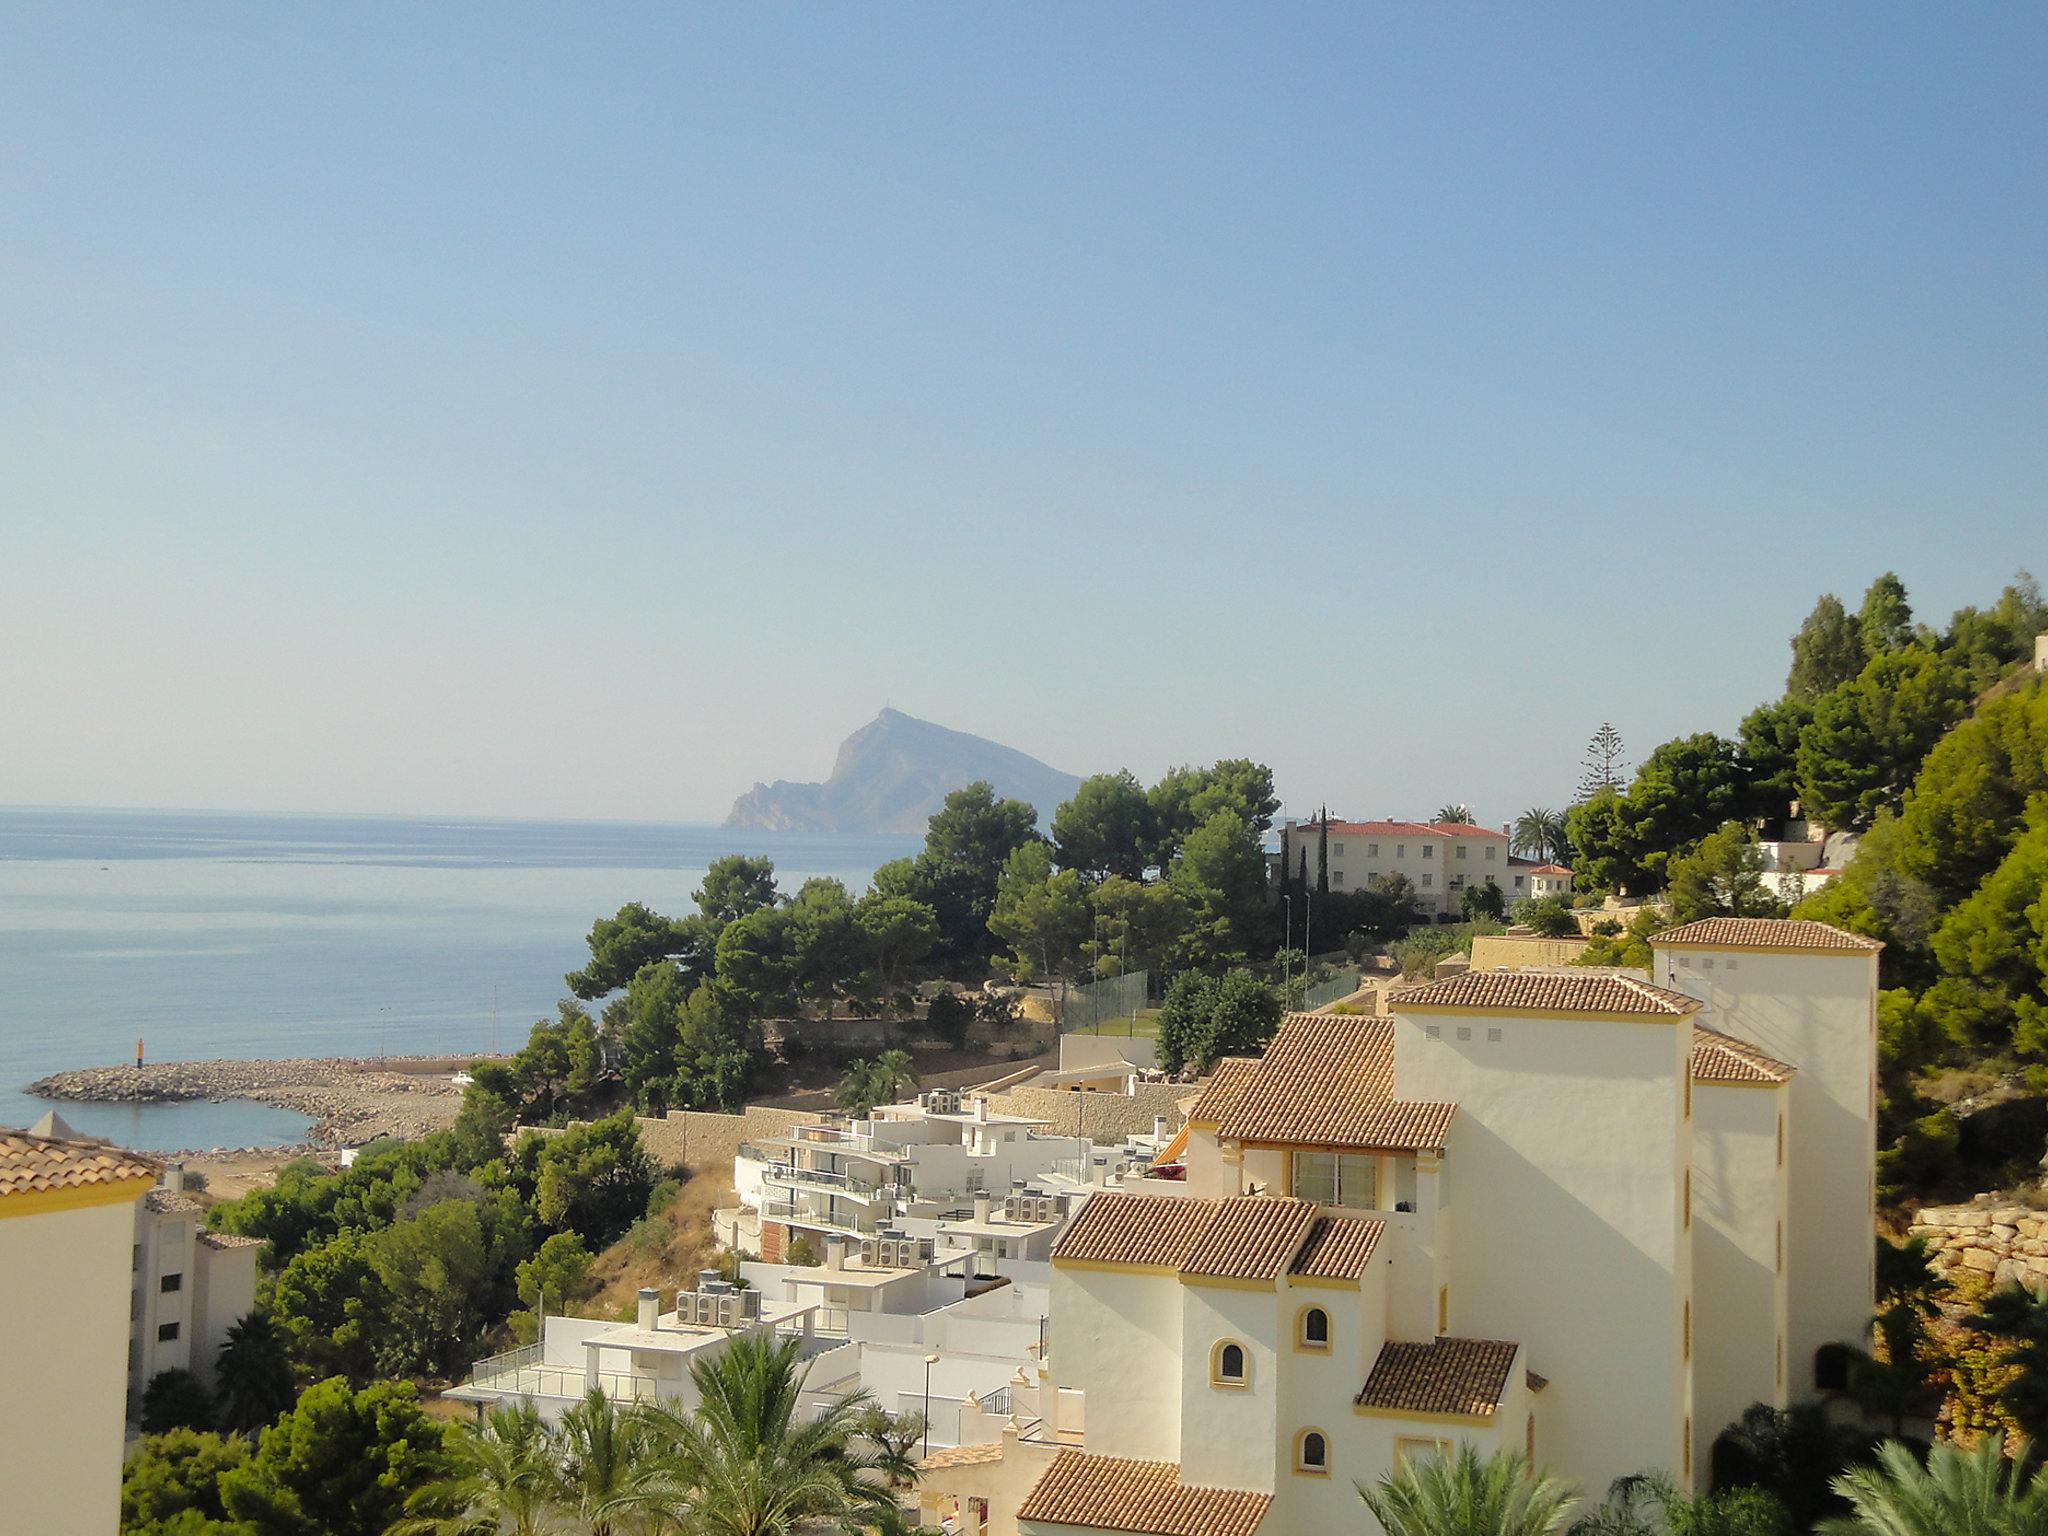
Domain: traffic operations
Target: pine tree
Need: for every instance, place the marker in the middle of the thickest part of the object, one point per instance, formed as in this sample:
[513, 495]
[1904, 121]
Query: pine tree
[1602, 763]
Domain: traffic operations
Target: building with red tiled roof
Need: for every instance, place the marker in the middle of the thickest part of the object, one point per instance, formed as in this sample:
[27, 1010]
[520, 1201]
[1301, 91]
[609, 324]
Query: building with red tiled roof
[1545, 1210]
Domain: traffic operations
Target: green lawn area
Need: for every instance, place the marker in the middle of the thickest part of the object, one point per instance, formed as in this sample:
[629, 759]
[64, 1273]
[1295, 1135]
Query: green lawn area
[1145, 1026]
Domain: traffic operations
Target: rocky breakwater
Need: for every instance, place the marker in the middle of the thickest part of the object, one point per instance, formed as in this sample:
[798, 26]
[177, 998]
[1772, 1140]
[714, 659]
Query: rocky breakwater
[1992, 1236]
[350, 1101]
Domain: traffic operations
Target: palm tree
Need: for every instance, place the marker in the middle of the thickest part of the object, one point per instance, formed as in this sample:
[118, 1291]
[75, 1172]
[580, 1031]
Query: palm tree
[1976, 1492]
[503, 1482]
[602, 1474]
[894, 1071]
[745, 1464]
[252, 1378]
[1455, 813]
[1538, 833]
[1461, 1495]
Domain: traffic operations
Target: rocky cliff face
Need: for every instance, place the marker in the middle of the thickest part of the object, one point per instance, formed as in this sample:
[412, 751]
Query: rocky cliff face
[890, 776]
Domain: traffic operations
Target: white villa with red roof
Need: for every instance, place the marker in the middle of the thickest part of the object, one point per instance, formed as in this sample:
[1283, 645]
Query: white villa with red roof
[1440, 858]
[1578, 1214]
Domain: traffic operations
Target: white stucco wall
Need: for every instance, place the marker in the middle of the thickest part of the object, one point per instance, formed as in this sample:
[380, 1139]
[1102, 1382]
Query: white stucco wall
[1817, 1011]
[1563, 1210]
[1232, 1433]
[223, 1293]
[64, 1292]
[1117, 1340]
[1738, 1192]
[167, 1242]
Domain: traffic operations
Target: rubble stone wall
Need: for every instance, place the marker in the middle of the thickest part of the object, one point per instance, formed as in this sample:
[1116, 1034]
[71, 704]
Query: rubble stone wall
[2006, 1242]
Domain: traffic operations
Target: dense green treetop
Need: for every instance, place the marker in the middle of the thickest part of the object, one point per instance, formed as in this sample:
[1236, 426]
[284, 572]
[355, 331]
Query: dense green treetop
[1043, 916]
[734, 886]
[1770, 750]
[638, 936]
[1220, 873]
[1187, 797]
[170, 1484]
[1885, 621]
[1722, 877]
[1826, 652]
[341, 1463]
[1106, 828]
[1869, 736]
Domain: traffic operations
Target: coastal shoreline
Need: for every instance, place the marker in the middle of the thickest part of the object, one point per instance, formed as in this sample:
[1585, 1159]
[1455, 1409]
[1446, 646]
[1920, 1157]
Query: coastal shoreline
[350, 1100]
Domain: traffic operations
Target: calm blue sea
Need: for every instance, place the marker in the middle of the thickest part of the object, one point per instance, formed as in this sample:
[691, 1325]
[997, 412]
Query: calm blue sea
[239, 935]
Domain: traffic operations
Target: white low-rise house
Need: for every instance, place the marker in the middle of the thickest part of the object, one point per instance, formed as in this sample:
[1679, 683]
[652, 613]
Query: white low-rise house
[1570, 1213]
[1440, 858]
[917, 1334]
[647, 1358]
[1533, 880]
[67, 1231]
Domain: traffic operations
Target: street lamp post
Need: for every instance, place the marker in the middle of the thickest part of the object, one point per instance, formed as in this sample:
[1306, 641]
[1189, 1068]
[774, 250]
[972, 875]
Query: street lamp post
[929, 1362]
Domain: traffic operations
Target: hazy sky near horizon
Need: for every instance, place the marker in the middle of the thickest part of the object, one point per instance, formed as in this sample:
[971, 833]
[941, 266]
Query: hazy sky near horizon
[523, 411]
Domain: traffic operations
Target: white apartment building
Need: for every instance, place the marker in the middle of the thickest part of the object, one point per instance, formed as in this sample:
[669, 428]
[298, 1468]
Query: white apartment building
[1440, 858]
[67, 1225]
[1571, 1213]
[190, 1287]
[914, 1168]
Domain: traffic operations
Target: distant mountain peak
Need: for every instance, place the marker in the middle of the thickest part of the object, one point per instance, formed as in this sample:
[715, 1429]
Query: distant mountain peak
[892, 773]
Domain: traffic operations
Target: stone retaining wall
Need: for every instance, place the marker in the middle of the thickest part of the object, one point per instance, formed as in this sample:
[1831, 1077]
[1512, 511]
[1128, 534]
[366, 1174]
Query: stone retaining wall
[2007, 1242]
[1107, 1117]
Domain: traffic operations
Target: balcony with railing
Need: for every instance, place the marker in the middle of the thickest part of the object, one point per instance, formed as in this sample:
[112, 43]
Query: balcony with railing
[797, 1213]
[526, 1373]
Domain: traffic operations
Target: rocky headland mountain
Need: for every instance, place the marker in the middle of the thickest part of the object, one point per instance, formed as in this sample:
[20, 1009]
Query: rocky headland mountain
[890, 776]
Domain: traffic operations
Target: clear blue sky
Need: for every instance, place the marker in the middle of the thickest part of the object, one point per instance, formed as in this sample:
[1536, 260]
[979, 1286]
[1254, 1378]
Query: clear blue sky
[520, 410]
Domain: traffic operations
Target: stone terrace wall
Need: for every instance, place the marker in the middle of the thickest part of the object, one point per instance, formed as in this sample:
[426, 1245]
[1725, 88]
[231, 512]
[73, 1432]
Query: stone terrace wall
[2006, 1242]
[1107, 1117]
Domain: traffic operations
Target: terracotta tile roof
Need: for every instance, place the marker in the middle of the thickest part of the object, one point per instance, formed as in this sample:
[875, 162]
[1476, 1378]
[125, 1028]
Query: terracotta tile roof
[166, 1203]
[1225, 1087]
[1719, 1058]
[1466, 1376]
[1548, 992]
[33, 1164]
[1404, 829]
[1528, 867]
[1338, 1248]
[1136, 1229]
[1252, 1239]
[962, 1456]
[1112, 1494]
[1764, 933]
[225, 1241]
[1327, 1080]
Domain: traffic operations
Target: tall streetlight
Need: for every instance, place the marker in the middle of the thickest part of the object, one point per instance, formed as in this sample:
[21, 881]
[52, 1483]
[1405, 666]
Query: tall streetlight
[929, 1362]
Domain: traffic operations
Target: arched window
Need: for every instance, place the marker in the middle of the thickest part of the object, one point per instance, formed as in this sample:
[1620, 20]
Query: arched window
[1313, 1329]
[1312, 1452]
[1227, 1364]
